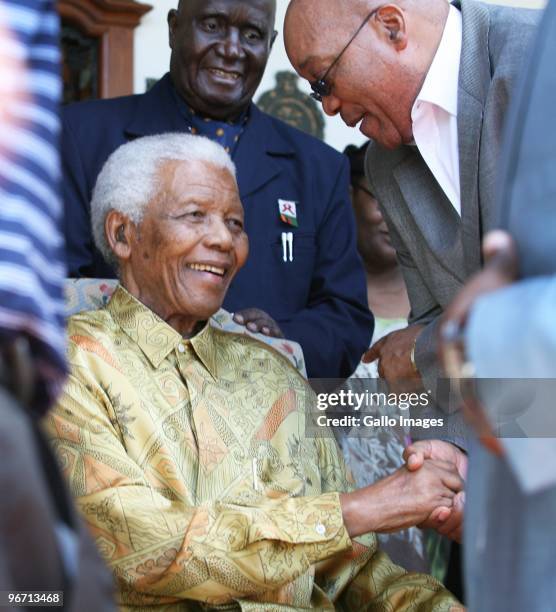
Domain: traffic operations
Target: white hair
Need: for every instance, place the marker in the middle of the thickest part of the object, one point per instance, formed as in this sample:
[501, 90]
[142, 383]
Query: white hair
[129, 179]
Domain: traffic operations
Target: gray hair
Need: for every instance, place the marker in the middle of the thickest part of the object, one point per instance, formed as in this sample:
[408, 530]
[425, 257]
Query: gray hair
[128, 180]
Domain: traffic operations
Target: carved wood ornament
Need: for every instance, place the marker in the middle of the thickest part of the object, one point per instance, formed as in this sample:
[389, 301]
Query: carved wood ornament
[112, 22]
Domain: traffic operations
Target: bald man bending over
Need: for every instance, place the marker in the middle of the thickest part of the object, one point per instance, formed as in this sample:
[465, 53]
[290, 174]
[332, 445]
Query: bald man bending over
[429, 82]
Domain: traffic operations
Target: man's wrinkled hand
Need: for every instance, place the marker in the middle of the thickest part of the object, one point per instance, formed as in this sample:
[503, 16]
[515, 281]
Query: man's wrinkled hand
[420, 493]
[447, 522]
[415, 454]
[258, 321]
[403, 499]
[394, 358]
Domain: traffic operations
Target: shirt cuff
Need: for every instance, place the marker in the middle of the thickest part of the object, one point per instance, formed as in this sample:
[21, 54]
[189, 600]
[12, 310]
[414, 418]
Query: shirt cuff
[316, 522]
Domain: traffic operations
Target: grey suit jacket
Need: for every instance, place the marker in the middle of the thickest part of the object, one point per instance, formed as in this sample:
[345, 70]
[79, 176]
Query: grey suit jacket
[437, 249]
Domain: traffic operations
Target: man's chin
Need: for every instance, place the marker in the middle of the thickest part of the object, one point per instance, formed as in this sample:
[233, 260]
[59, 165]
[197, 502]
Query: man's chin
[383, 142]
[371, 130]
[391, 145]
[387, 138]
[386, 142]
[221, 105]
[210, 307]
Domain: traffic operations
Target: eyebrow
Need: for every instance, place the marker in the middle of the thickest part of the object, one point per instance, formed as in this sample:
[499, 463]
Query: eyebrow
[219, 14]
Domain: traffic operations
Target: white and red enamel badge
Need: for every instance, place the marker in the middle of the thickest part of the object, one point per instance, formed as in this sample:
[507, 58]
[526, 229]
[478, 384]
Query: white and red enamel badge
[288, 212]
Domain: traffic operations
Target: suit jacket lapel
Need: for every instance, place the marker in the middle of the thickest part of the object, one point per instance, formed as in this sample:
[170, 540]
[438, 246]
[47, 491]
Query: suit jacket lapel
[255, 155]
[156, 112]
[474, 81]
[431, 210]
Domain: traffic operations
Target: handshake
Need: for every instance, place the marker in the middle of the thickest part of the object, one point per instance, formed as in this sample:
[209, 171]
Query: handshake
[427, 491]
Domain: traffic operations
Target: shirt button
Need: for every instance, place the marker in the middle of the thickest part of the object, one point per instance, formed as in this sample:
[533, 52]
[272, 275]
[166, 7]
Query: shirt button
[320, 529]
[181, 348]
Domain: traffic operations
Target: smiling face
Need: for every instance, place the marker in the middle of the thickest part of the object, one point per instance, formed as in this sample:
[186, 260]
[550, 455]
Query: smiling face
[219, 52]
[189, 245]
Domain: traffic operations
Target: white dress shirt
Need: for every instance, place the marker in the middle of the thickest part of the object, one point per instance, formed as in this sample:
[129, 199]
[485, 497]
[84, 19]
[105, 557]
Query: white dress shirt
[435, 111]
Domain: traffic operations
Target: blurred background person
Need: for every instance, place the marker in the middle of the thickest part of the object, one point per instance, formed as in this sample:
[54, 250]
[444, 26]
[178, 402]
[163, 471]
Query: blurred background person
[43, 545]
[386, 290]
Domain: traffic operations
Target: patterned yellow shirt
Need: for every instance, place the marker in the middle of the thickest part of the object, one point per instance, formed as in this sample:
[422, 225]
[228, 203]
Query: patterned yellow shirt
[189, 462]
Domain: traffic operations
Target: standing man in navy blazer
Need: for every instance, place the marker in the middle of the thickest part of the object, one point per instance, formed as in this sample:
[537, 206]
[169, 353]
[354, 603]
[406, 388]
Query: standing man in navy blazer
[304, 277]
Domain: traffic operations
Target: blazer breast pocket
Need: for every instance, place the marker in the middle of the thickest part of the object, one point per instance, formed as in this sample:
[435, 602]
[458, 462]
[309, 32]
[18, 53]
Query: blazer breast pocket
[295, 248]
[293, 257]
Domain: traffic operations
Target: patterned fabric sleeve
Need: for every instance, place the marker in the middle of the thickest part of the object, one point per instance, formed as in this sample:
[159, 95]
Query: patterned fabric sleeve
[365, 578]
[210, 490]
[161, 550]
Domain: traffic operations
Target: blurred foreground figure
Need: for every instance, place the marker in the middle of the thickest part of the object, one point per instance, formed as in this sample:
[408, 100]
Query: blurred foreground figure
[511, 333]
[42, 543]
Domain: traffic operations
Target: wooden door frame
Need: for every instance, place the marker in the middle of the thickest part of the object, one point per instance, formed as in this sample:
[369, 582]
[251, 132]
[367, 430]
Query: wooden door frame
[113, 22]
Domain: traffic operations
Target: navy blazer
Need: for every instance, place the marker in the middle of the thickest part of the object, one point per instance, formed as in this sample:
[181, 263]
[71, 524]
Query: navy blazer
[319, 299]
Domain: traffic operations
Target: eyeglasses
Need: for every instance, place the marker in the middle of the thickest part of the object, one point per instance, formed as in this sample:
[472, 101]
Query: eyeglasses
[320, 87]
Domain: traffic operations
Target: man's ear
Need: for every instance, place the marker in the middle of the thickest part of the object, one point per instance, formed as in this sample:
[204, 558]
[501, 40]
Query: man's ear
[392, 24]
[273, 38]
[118, 229]
[172, 25]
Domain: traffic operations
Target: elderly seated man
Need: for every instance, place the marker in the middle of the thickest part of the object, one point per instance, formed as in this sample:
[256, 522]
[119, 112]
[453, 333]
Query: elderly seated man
[185, 446]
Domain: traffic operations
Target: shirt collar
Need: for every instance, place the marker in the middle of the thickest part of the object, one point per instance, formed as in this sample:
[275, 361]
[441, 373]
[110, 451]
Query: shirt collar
[155, 337]
[225, 133]
[441, 83]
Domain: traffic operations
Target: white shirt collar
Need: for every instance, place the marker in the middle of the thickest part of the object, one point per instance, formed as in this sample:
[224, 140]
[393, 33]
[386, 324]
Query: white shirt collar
[441, 83]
